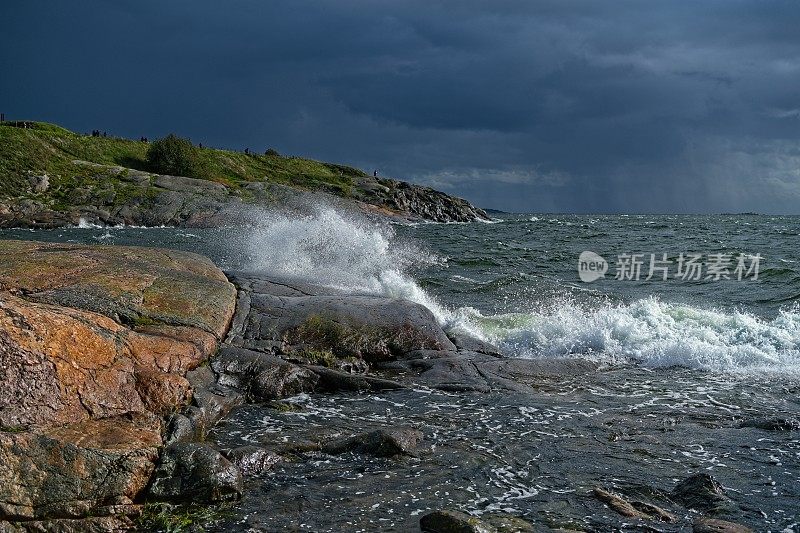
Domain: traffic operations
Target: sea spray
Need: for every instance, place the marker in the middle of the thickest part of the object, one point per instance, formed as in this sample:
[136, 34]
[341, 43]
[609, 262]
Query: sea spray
[343, 251]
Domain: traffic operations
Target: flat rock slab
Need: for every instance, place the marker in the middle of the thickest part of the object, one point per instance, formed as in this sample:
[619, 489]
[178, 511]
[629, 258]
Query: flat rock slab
[125, 283]
[284, 318]
[289, 318]
[95, 343]
[476, 372]
[96, 468]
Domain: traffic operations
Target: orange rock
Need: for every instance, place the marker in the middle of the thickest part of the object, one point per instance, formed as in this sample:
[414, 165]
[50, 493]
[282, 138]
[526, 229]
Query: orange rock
[94, 345]
[81, 325]
[61, 365]
[165, 286]
[161, 392]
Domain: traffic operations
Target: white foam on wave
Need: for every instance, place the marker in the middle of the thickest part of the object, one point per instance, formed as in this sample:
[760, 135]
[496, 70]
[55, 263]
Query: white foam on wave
[337, 250]
[649, 332]
[84, 223]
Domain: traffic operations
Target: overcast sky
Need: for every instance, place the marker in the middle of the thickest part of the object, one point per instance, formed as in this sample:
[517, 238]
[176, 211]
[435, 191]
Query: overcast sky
[535, 106]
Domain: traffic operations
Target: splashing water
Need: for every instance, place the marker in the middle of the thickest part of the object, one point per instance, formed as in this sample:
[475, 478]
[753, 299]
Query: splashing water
[343, 252]
[649, 332]
[359, 256]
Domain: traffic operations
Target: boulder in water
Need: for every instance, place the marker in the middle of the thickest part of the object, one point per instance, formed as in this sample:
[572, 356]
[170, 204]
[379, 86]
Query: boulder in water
[195, 472]
[702, 492]
[453, 522]
[633, 509]
[712, 525]
[252, 460]
[381, 443]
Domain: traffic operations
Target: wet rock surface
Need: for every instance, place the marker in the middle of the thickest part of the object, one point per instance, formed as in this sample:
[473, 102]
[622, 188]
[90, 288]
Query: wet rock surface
[703, 493]
[388, 442]
[453, 522]
[773, 424]
[634, 508]
[712, 525]
[395, 341]
[503, 444]
[197, 473]
[252, 460]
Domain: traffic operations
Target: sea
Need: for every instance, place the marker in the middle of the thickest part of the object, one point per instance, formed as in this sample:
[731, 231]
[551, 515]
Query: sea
[694, 321]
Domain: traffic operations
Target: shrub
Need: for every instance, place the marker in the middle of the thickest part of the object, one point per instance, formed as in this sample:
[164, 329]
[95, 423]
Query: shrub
[272, 152]
[175, 156]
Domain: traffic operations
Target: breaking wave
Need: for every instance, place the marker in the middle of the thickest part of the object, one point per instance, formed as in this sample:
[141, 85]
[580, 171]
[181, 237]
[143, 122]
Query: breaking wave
[649, 332]
[337, 250]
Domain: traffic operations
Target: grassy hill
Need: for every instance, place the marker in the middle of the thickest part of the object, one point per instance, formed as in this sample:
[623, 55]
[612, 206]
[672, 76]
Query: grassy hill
[47, 148]
[50, 176]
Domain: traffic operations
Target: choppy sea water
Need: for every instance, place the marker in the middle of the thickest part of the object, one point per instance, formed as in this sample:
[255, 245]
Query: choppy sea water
[684, 365]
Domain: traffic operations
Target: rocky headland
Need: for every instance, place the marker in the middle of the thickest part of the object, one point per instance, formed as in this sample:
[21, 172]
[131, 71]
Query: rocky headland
[52, 177]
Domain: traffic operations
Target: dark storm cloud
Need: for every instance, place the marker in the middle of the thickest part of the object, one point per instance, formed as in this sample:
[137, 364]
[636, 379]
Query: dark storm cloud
[554, 105]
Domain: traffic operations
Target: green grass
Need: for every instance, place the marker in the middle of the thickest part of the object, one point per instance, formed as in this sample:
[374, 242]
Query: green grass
[48, 148]
[318, 357]
[13, 429]
[169, 518]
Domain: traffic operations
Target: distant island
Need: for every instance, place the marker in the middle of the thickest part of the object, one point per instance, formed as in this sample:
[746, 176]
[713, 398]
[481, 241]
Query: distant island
[54, 177]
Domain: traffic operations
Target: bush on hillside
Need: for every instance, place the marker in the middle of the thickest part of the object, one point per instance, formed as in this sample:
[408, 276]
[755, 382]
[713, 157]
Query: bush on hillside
[272, 152]
[175, 156]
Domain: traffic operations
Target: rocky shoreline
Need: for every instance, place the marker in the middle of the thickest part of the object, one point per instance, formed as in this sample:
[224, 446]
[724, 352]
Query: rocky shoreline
[117, 363]
[156, 200]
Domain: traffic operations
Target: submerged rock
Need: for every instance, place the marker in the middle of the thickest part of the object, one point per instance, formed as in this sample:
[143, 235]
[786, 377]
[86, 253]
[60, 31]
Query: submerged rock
[453, 522]
[195, 472]
[633, 509]
[773, 424]
[504, 523]
[381, 443]
[252, 460]
[703, 493]
[711, 525]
